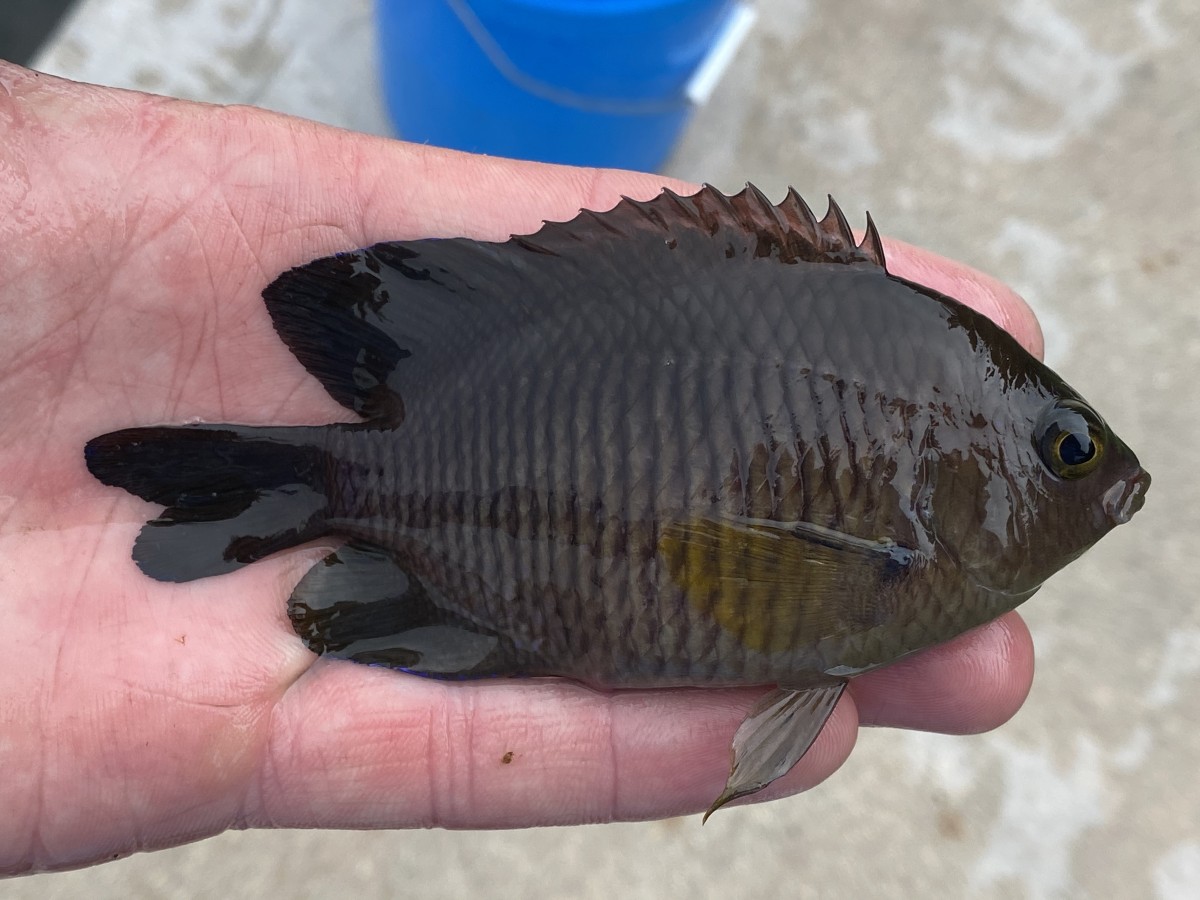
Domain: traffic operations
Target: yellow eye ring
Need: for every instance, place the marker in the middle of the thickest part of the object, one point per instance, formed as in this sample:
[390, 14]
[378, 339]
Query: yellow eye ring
[1070, 439]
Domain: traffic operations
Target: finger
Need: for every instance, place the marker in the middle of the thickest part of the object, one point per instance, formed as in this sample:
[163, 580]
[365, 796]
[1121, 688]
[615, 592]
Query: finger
[970, 684]
[357, 747]
[367, 748]
[134, 713]
[979, 291]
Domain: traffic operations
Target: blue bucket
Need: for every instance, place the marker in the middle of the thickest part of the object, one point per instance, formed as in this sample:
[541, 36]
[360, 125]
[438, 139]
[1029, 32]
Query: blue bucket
[583, 82]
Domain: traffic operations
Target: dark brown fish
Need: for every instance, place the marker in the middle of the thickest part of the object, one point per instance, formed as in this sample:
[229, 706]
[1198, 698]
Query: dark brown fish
[694, 441]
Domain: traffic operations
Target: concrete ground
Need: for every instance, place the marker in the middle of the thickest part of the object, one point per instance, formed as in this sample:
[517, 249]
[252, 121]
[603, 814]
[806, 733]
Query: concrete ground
[1053, 143]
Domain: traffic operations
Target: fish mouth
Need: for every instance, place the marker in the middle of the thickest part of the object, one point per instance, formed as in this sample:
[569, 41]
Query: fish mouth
[1126, 497]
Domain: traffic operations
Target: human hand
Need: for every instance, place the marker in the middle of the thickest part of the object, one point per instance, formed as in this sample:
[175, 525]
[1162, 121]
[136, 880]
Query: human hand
[136, 234]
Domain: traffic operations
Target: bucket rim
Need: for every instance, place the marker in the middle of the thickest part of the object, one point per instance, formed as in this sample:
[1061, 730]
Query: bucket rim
[598, 8]
[465, 12]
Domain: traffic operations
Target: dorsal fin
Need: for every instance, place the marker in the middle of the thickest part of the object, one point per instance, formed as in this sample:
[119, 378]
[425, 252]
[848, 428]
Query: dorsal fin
[788, 230]
[351, 318]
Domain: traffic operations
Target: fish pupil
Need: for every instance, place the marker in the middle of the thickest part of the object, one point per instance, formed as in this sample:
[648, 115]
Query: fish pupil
[1076, 449]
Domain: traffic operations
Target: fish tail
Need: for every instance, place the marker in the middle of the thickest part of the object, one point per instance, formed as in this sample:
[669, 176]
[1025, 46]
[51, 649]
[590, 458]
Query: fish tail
[234, 494]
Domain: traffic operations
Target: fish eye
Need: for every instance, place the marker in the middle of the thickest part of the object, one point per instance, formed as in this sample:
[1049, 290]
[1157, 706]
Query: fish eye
[1070, 439]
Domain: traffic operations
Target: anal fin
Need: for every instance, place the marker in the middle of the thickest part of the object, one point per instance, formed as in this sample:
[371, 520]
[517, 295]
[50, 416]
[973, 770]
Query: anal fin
[360, 604]
[774, 735]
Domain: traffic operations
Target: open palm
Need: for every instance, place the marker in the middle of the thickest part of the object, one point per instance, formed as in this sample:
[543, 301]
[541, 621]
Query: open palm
[136, 235]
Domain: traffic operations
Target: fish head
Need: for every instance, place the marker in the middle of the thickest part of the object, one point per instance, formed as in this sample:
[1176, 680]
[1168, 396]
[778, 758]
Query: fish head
[1050, 480]
[1089, 481]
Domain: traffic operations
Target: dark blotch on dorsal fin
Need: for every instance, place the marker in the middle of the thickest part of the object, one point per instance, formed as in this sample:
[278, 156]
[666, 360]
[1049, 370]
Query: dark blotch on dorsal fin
[330, 313]
[746, 221]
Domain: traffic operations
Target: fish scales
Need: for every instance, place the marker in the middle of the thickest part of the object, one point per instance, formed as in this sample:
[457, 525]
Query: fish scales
[694, 441]
[515, 528]
[607, 436]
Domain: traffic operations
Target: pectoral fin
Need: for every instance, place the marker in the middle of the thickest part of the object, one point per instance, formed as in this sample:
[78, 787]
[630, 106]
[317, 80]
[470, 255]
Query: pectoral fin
[774, 735]
[780, 585]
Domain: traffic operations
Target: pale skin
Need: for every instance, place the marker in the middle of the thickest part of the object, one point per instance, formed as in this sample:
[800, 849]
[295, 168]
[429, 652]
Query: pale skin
[136, 234]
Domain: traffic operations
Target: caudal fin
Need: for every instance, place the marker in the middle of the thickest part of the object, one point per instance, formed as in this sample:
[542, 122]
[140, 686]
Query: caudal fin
[234, 494]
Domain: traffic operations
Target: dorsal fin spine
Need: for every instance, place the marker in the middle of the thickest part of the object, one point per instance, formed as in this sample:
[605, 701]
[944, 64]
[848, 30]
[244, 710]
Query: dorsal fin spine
[724, 202]
[773, 214]
[602, 220]
[685, 206]
[836, 228]
[872, 244]
[804, 215]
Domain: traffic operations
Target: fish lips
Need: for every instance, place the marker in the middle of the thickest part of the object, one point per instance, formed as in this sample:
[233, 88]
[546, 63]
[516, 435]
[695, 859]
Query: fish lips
[1126, 497]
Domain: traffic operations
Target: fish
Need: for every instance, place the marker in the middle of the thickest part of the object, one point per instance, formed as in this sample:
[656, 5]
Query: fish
[696, 441]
